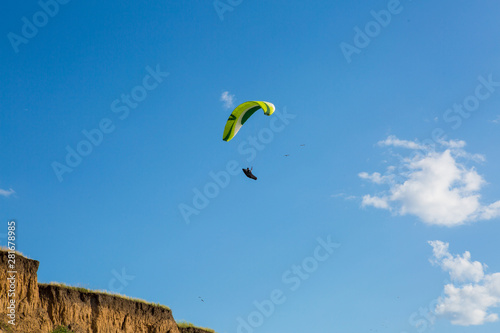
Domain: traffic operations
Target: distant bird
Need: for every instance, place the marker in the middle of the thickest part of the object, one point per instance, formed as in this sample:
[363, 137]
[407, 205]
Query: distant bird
[302, 145]
[201, 299]
[287, 155]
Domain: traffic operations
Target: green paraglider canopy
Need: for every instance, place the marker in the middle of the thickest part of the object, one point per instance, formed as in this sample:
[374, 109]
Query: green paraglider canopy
[241, 114]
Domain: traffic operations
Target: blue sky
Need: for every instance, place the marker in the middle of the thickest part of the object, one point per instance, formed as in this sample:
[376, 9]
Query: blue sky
[399, 150]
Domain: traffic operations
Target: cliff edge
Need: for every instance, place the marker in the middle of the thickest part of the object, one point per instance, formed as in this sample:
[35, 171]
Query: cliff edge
[41, 308]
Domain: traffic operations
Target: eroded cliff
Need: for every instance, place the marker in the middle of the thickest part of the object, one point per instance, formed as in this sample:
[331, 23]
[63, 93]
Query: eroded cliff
[40, 308]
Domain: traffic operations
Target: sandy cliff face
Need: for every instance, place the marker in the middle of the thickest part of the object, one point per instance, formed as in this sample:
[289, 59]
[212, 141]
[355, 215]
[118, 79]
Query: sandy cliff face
[89, 312]
[25, 288]
[40, 308]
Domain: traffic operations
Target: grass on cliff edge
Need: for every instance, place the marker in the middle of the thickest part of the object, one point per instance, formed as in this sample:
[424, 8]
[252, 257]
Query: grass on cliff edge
[6, 249]
[103, 292]
[185, 324]
[61, 329]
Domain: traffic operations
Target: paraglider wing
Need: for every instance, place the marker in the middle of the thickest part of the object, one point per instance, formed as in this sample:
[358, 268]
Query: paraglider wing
[241, 114]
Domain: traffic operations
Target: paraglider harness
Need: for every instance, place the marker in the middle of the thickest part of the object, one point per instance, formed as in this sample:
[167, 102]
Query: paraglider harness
[249, 174]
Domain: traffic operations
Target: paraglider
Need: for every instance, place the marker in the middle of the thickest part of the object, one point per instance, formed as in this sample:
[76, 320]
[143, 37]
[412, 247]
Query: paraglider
[248, 173]
[241, 114]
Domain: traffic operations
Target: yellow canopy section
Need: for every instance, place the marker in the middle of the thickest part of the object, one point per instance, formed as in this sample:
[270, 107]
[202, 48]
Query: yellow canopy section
[241, 114]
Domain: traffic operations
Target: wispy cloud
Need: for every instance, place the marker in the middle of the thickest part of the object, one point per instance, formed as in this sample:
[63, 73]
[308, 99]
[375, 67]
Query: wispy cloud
[436, 186]
[496, 120]
[227, 99]
[395, 142]
[471, 294]
[6, 193]
[343, 195]
[453, 143]
[376, 177]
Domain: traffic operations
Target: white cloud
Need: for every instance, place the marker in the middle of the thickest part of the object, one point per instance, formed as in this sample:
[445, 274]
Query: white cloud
[435, 186]
[376, 202]
[453, 143]
[6, 193]
[490, 211]
[343, 195]
[227, 99]
[461, 268]
[375, 177]
[471, 295]
[496, 120]
[395, 142]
